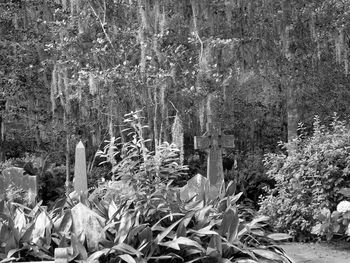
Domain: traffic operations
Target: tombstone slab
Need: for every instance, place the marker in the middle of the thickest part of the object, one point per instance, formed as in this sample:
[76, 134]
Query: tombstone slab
[15, 177]
[80, 175]
[198, 188]
[87, 225]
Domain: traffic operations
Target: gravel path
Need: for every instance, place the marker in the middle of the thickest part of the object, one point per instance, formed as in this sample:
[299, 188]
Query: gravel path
[337, 252]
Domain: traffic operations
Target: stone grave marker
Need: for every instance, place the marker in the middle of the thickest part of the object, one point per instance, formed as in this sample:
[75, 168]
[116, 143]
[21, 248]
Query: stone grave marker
[194, 188]
[15, 177]
[87, 225]
[80, 174]
[214, 141]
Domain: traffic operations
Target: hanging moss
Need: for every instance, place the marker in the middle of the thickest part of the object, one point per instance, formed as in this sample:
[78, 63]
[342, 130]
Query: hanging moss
[338, 47]
[162, 23]
[93, 88]
[72, 6]
[201, 115]
[64, 5]
[54, 87]
[312, 26]
[178, 136]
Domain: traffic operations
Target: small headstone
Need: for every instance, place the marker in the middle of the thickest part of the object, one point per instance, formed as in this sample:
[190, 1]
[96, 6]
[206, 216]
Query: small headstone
[15, 177]
[197, 188]
[87, 225]
[80, 176]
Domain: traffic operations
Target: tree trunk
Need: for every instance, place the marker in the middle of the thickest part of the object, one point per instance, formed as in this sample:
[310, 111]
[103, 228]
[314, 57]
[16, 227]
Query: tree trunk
[292, 114]
[67, 150]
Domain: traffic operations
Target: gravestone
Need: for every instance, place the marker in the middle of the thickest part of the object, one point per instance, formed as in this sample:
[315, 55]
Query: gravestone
[214, 141]
[198, 189]
[80, 175]
[87, 225]
[15, 177]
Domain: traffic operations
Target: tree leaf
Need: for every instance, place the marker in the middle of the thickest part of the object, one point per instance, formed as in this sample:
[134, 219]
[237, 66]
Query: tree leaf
[127, 258]
[42, 222]
[279, 236]
[229, 225]
[20, 221]
[78, 248]
[167, 216]
[182, 241]
[162, 235]
[269, 255]
[204, 231]
[93, 258]
[125, 248]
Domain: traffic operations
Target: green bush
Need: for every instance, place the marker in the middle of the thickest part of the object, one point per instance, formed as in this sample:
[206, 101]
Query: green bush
[337, 222]
[309, 176]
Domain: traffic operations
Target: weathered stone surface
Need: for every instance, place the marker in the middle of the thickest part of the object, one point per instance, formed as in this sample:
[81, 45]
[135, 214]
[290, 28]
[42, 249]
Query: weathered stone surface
[87, 225]
[15, 177]
[80, 176]
[196, 186]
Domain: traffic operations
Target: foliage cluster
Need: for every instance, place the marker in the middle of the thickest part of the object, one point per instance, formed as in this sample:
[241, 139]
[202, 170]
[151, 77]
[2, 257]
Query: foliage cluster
[140, 222]
[336, 222]
[137, 165]
[158, 229]
[67, 55]
[309, 175]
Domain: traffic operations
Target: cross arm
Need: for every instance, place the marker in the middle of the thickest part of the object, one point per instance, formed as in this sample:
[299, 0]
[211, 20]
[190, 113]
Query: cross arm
[228, 141]
[201, 142]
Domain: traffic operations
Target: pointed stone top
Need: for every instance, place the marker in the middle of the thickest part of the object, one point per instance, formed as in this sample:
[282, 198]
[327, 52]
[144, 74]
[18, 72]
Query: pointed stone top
[80, 145]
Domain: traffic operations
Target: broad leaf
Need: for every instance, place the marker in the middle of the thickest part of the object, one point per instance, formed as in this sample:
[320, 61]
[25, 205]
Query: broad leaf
[162, 235]
[182, 241]
[264, 253]
[279, 236]
[230, 223]
[204, 231]
[93, 258]
[127, 258]
[20, 221]
[42, 223]
[78, 248]
[125, 248]
[165, 217]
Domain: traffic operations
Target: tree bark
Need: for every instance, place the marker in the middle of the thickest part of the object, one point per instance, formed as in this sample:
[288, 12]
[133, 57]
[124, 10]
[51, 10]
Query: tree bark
[292, 114]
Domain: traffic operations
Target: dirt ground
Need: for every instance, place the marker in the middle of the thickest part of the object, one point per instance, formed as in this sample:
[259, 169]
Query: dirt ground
[335, 252]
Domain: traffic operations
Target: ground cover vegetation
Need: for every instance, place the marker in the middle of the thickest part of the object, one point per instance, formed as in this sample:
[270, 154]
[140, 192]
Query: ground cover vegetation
[71, 69]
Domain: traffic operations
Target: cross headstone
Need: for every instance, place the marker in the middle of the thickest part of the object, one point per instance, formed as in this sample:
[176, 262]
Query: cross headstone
[214, 141]
[15, 177]
[80, 176]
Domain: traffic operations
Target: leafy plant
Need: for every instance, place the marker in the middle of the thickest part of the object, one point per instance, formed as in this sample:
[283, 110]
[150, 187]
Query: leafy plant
[309, 176]
[25, 232]
[139, 167]
[164, 228]
[337, 222]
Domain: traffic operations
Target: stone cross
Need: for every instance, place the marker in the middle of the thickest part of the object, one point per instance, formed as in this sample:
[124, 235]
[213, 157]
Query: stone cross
[214, 141]
[80, 177]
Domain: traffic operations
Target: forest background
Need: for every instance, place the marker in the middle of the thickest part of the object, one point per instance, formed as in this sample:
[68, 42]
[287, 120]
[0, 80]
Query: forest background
[71, 69]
